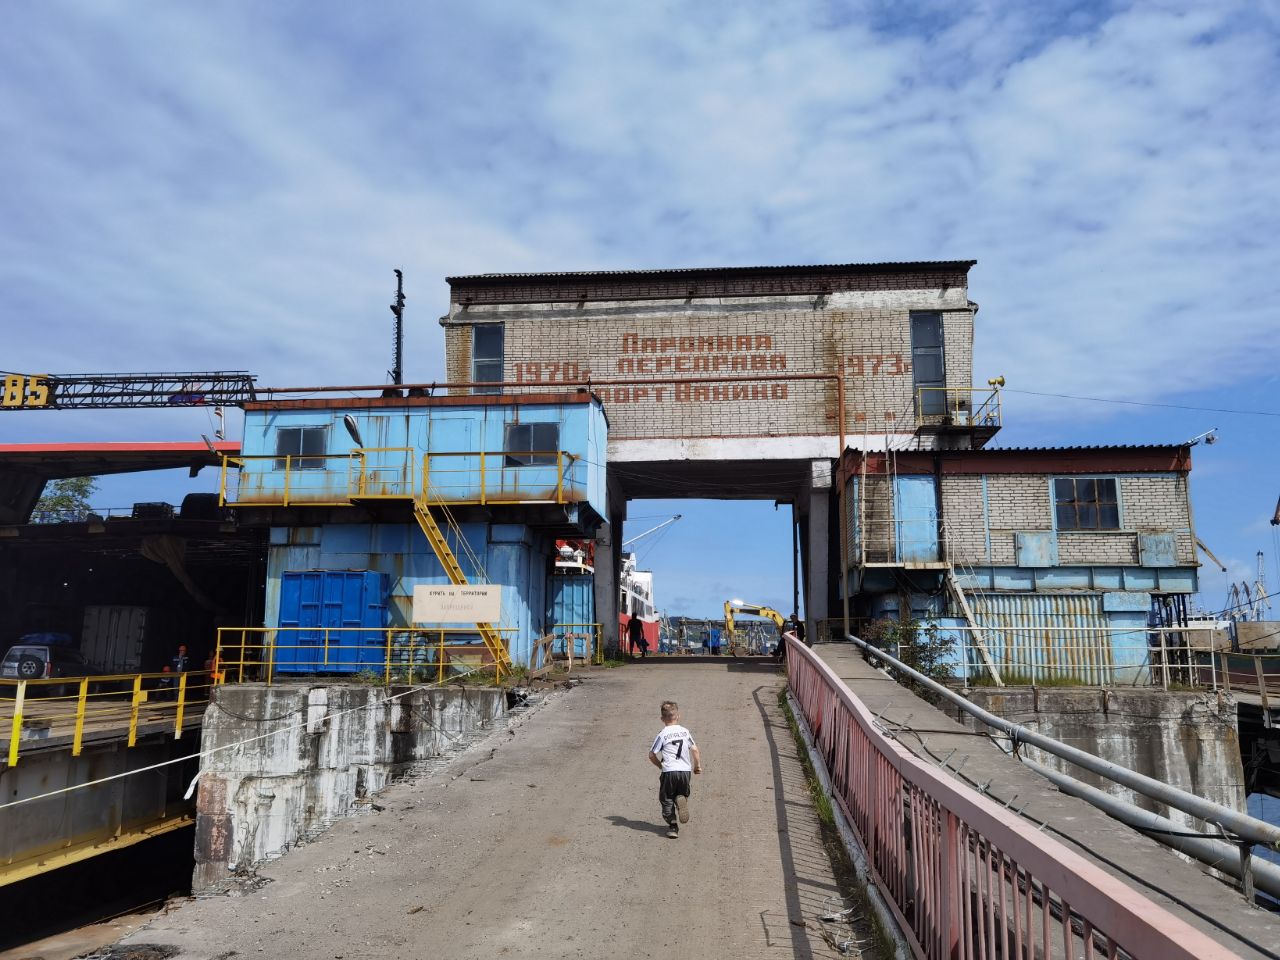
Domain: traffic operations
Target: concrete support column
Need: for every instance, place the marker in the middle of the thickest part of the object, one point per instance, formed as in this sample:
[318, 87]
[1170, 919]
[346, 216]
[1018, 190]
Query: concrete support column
[818, 566]
[606, 588]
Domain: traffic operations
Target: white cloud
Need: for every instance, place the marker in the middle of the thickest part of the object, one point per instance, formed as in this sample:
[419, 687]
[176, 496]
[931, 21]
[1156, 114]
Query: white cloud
[229, 186]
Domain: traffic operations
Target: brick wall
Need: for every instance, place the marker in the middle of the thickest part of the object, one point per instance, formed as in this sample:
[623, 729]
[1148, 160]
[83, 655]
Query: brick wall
[964, 521]
[1154, 503]
[644, 344]
[1097, 549]
[1159, 503]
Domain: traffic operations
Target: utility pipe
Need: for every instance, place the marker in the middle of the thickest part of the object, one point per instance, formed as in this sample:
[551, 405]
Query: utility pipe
[1242, 825]
[1218, 854]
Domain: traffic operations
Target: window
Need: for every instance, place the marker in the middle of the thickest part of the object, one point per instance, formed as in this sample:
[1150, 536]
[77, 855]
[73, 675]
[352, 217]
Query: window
[486, 356]
[1086, 503]
[927, 368]
[308, 443]
[532, 444]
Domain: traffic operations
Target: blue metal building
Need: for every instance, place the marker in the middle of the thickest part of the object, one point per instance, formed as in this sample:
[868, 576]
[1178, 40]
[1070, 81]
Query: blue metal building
[352, 488]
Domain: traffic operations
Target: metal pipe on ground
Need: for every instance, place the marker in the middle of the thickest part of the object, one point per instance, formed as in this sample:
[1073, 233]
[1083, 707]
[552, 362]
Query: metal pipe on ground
[1241, 824]
[1218, 854]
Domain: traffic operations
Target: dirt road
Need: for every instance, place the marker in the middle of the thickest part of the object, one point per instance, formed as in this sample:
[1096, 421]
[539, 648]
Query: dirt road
[553, 846]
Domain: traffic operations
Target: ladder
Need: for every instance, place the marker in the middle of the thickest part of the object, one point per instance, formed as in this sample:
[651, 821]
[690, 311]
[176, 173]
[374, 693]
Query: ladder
[435, 536]
[978, 639]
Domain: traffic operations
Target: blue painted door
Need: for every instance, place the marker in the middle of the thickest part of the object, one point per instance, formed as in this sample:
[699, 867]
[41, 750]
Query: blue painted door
[917, 520]
[313, 600]
[571, 607]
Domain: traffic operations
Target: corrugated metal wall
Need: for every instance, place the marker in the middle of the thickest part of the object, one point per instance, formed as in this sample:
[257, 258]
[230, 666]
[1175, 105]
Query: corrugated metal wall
[1034, 637]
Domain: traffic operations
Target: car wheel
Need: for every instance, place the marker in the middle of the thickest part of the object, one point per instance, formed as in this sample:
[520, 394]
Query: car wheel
[30, 668]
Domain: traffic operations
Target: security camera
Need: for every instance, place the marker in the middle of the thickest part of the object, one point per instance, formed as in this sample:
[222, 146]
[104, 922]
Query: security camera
[1211, 438]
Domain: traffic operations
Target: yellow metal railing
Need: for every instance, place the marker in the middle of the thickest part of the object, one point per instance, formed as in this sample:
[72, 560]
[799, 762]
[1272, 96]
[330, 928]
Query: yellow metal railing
[69, 709]
[959, 406]
[502, 477]
[386, 655]
[392, 473]
[589, 635]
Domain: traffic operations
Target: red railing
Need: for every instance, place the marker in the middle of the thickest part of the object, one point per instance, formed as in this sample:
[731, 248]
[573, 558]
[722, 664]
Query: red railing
[966, 879]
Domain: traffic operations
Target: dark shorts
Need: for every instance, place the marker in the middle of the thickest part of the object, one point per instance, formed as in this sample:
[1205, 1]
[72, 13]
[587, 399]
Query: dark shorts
[676, 783]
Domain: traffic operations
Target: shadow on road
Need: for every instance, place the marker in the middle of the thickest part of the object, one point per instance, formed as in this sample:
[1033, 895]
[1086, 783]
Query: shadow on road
[640, 825]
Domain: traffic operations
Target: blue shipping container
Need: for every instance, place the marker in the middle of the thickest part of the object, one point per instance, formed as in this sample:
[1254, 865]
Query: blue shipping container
[312, 600]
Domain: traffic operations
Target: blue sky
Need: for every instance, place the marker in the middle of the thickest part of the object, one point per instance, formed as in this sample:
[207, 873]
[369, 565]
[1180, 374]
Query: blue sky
[228, 185]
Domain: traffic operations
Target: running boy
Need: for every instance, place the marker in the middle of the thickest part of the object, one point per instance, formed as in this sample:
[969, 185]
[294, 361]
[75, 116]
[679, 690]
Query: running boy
[676, 755]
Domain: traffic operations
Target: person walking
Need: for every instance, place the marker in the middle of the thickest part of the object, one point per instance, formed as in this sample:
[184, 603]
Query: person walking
[635, 632]
[676, 755]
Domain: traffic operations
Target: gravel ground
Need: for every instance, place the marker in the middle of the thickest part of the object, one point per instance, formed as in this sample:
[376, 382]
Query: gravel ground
[545, 841]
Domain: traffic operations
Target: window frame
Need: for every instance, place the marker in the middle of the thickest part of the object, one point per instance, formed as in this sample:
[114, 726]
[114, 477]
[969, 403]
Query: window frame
[301, 459]
[484, 365]
[926, 405]
[1097, 504]
[534, 455]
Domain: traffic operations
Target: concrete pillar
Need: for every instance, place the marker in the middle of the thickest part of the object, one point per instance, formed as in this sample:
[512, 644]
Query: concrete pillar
[818, 566]
[606, 588]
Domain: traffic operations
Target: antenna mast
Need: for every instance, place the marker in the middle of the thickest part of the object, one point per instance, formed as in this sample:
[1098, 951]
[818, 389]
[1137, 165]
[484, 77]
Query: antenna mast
[397, 369]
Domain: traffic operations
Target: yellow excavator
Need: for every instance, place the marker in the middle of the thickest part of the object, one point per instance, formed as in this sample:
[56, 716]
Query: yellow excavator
[741, 606]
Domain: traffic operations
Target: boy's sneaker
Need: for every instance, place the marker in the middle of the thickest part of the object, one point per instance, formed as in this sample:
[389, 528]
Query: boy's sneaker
[673, 831]
[682, 806]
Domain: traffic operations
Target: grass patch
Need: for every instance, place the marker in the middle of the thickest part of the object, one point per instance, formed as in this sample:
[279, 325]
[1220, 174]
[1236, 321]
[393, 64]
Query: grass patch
[851, 885]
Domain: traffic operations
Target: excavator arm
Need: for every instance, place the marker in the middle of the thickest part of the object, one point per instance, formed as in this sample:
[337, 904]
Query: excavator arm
[739, 606]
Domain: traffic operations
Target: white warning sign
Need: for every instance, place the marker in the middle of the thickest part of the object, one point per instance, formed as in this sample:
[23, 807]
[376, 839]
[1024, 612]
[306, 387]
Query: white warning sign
[462, 603]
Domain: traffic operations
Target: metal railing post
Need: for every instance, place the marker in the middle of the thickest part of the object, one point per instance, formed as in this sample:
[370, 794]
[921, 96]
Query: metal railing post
[81, 700]
[559, 476]
[182, 703]
[386, 668]
[271, 658]
[288, 469]
[1226, 672]
[440, 659]
[15, 734]
[133, 709]
[483, 480]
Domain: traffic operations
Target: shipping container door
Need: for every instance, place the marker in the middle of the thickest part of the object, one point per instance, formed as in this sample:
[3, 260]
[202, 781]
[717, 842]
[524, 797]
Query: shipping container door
[571, 607]
[299, 644]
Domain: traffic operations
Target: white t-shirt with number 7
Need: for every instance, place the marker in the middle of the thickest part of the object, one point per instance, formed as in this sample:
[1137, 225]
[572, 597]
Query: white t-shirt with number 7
[674, 745]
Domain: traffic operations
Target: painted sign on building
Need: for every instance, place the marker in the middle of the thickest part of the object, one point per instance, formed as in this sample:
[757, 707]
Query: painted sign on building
[457, 603]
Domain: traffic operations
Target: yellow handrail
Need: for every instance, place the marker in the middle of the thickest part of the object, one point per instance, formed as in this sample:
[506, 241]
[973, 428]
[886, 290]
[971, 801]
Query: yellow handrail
[399, 655]
[123, 705]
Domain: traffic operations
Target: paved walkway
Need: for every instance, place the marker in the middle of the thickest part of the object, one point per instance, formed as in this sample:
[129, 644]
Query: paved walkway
[546, 842]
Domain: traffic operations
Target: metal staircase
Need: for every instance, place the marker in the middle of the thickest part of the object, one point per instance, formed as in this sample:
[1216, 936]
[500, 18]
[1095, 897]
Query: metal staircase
[440, 544]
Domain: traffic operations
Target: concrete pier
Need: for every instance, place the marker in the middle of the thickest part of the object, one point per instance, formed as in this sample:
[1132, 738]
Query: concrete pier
[290, 760]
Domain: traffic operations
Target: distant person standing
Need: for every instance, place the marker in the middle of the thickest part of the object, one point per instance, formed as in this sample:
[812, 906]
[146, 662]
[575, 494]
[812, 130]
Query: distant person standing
[635, 632]
[180, 663]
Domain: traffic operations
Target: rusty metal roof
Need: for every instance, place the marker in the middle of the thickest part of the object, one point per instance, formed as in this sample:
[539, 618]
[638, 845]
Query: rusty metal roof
[1100, 448]
[893, 266]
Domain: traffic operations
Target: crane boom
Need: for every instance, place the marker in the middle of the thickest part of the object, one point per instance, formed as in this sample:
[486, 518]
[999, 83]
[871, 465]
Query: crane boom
[664, 523]
[46, 391]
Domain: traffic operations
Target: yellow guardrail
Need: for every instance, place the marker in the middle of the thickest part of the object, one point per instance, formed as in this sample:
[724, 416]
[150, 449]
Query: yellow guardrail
[393, 473]
[35, 711]
[956, 406]
[590, 634]
[388, 654]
